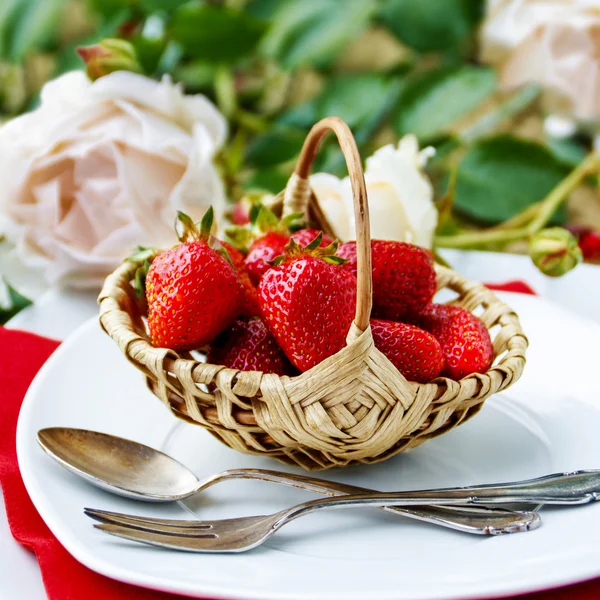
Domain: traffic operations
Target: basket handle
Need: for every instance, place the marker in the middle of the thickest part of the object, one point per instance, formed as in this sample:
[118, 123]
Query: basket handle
[364, 284]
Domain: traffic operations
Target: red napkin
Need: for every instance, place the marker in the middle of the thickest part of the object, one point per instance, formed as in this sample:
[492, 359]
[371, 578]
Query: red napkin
[21, 356]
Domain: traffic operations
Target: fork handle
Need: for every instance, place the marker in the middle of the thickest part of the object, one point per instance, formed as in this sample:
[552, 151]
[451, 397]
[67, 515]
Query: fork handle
[477, 520]
[579, 487]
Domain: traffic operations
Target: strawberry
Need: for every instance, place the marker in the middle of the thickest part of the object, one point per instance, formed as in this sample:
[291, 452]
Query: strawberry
[240, 214]
[308, 303]
[588, 240]
[404, 279]
[263, 250]
[247, 345]
[414, 352]
[464, 339]
[303, 237]
[193, 291]
[250, 301]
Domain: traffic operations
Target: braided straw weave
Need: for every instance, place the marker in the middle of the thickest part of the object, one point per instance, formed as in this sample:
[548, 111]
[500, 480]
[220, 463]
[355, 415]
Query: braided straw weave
[352, 407]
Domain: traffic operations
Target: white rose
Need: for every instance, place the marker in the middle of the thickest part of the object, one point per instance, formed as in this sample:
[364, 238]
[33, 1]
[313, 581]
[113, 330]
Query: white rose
[101, 167]
[400, 196]
[551, 43]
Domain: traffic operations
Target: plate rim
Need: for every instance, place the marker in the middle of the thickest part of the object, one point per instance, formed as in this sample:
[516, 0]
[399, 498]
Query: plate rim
[163, 583]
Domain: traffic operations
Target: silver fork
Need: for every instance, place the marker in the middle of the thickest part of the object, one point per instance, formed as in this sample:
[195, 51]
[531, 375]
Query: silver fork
[244, 533]
[240, 534]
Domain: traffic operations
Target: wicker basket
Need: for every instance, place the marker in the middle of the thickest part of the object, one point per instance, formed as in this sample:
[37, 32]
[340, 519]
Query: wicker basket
[352, 407]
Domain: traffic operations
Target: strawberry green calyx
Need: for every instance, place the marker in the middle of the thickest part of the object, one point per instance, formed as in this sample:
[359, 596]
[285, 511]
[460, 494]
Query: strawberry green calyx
[188, 231]
[145, 256]
[263, 221]
[328, 253]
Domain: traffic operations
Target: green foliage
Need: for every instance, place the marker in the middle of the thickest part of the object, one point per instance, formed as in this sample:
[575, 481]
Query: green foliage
[256, 58]
[432, 100]
[306, 32]
[276, 145]
[27, 25]
[501, 176]
[215, 33]
[16, 303]
[433, 25]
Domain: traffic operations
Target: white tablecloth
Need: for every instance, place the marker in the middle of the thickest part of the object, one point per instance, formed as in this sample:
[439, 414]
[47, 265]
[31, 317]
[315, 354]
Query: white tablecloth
[57, 314]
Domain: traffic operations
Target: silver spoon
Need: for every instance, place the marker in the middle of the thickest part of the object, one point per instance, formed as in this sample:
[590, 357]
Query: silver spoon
[137, 471]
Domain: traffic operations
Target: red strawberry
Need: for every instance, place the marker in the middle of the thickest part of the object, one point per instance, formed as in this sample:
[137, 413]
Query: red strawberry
[304, 237]
[404, 280]
[240, 215]
[247, 345]
[464, 339]
[193, 292]
[414, 352]
[250, 301]
[588, 240]
[263, 250]
[308, 304]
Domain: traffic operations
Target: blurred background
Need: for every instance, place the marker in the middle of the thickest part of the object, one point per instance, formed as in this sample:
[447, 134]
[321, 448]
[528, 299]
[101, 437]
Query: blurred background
[507, 92]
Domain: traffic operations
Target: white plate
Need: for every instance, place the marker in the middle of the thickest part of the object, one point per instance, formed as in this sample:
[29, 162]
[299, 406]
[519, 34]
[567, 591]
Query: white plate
[547, 422]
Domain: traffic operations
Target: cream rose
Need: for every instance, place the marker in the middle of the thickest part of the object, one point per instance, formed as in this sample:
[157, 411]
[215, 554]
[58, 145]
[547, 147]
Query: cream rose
[101, 167]
[400, 196]
[553, 43]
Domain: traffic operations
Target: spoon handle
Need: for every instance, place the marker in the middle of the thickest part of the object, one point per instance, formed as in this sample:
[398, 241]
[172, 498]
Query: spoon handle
[577, 487]
[478, 520]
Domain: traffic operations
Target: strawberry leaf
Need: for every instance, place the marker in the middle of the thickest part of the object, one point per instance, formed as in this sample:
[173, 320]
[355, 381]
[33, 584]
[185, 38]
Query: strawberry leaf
[335, 260]
[266, 221]
[293, 221]
[207, 223]
[140, 280]
[239, 237]
[185, 228]
[277, 260]
[315, 243]
[254, 212]
[16, 303]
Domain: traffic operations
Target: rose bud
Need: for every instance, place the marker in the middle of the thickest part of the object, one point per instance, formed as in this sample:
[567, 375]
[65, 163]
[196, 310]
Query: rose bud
[555, 251]
[108, 56]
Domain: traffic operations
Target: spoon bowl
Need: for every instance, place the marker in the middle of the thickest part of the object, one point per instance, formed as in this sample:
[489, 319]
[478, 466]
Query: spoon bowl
[119, 465]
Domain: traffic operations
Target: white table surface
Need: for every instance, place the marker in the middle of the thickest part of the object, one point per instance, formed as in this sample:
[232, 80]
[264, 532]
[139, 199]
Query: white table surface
[57, 314]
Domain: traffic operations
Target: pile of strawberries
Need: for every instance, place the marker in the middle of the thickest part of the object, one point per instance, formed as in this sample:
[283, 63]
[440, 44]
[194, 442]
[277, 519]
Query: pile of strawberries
[287, 302]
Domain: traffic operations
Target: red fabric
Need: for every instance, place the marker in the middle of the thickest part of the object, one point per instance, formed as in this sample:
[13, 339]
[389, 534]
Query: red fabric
[512, 286]
[21, 356]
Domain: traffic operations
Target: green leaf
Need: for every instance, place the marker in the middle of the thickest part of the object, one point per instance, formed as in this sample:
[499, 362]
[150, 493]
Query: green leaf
[275, 146]
[148, 52]
[314, 31]
[354, 98]
[302, 116]
[271, 180]
[431, 101]
[215, 33]
[151, 6]
[501, 176]
[9, 10]
[16, 303]
[265, 9]
[109, 9]
[433, 25]
[27, 25]
[569, 151]
[196, 75]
